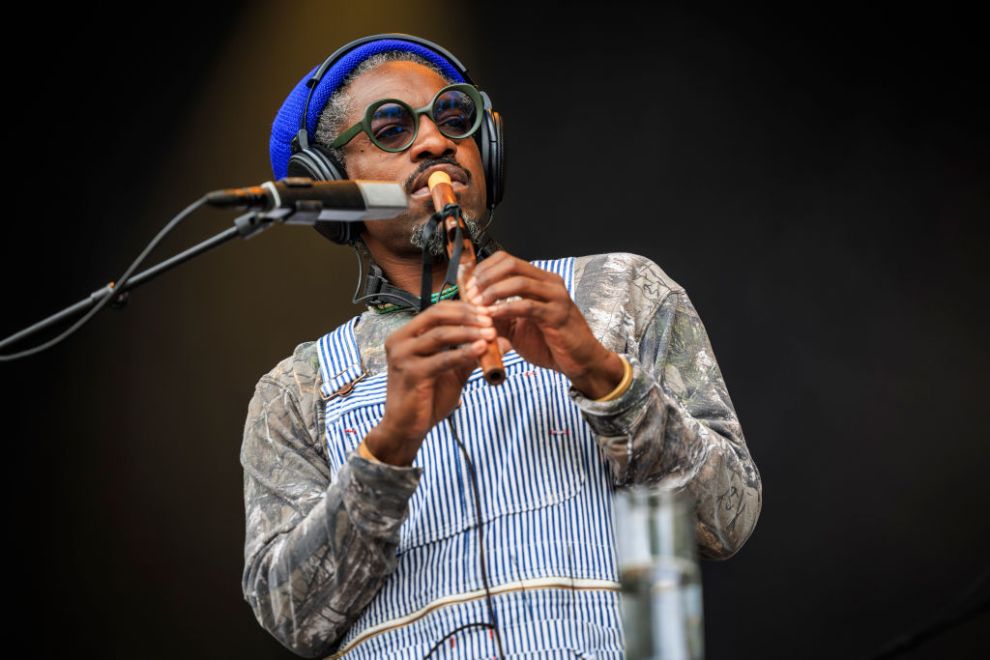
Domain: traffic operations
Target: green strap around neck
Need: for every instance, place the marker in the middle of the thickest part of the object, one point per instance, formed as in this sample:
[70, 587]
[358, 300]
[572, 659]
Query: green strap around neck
[389, 308]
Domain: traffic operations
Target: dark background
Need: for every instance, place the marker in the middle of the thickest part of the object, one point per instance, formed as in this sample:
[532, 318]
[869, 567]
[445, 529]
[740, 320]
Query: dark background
[817, 179]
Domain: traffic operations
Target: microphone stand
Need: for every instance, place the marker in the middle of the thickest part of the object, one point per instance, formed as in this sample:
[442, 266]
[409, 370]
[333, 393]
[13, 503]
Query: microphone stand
[245, 226]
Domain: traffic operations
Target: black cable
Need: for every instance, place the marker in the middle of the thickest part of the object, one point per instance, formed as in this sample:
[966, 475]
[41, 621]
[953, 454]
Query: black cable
[481, 539]
[911, 642]
[492, 624]
[941, 624]
[118, 286]
[454, 632]
[488, 223]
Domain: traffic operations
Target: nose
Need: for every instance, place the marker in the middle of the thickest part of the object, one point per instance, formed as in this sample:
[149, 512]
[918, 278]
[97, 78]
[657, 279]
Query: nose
[430, 142]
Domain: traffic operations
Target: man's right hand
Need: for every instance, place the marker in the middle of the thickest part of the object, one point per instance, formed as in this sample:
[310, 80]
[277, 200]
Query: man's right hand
[426, 376]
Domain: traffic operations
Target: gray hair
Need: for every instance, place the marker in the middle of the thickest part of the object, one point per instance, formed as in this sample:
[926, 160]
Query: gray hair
[338, 106]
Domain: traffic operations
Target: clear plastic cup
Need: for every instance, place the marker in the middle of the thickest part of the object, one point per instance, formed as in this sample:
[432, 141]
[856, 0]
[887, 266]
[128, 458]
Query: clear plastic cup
[661, 581]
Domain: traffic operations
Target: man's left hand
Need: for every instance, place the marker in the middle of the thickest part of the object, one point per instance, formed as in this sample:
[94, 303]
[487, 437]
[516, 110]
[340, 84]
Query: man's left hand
[532, 309]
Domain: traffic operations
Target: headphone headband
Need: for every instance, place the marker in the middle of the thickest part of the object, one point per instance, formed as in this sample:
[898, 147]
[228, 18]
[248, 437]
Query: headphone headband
[398, 37]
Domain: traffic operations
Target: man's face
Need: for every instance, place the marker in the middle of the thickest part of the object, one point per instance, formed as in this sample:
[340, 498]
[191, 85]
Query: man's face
[432, 150]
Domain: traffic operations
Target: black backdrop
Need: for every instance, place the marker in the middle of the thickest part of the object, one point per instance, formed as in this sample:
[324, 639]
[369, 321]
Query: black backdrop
[817, 179]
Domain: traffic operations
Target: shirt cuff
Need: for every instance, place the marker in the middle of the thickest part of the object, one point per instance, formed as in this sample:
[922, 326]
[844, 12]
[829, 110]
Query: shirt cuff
[376, 495]
[622, 414]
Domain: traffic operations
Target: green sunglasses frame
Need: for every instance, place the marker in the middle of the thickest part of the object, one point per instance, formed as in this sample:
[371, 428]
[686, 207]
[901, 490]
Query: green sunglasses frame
[365, 124]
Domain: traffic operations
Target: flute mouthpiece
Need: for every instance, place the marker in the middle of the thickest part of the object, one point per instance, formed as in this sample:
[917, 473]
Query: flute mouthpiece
[438, 177]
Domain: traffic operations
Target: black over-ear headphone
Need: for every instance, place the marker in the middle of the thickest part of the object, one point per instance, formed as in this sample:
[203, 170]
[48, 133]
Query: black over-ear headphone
[313, 160]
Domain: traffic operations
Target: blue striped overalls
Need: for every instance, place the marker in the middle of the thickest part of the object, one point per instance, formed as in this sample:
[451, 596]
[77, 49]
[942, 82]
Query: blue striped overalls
[546, 508]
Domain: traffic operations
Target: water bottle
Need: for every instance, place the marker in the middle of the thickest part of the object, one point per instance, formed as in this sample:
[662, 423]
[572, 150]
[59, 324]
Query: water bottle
[659, 573]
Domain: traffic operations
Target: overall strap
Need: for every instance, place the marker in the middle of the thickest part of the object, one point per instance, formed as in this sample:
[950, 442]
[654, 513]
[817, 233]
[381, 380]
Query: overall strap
[563, 267]
[340, 359]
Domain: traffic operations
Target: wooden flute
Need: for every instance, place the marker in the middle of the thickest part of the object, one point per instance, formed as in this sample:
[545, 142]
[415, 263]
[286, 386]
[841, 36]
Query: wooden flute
[443, 194]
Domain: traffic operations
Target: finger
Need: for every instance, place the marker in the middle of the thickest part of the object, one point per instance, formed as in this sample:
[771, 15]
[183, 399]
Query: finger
[451, 313]
[540, 312]
[443, 337]
[447, 312]
[468, 292]
[524, 287]
[455, 359]
[502, 265]
[503, 326]
[464, 372]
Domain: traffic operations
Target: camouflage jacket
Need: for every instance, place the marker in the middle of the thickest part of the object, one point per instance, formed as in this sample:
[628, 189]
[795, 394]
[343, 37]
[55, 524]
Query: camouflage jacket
[317, 551]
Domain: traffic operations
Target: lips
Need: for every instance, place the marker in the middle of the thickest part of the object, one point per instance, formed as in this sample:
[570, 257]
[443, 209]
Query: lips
[458, 178]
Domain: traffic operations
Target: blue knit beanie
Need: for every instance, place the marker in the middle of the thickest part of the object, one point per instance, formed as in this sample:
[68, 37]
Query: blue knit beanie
[286, 123]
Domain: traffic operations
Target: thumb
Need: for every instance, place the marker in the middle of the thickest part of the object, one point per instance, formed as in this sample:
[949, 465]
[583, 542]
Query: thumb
[465, 371]
[503, 327]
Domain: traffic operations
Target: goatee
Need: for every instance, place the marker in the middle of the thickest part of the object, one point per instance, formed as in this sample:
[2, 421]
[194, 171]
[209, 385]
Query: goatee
[437, 243]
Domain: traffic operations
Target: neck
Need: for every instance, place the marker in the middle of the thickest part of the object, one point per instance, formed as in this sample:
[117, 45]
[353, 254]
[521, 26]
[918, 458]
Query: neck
[405, 270]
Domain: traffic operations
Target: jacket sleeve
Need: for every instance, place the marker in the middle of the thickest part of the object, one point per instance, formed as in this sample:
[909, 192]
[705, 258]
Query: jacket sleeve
[316, 552]
[675, 425]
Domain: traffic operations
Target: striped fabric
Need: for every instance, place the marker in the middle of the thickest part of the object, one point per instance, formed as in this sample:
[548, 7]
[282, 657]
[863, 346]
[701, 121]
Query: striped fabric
[545, 505]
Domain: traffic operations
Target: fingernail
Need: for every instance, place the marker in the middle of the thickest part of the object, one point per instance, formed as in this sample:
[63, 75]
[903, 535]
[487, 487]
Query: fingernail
[479, 345]
[484, 319]
[488, 333]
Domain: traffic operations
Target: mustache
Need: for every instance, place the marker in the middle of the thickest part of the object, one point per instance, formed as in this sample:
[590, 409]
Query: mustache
[433, 162]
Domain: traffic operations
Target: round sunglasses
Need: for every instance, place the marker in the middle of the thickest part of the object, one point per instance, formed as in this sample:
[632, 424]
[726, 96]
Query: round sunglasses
[393, 125]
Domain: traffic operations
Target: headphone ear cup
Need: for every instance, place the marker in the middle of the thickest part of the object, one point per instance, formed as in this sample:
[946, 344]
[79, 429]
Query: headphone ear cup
[492, 153]
[318, 164]
[495, 168]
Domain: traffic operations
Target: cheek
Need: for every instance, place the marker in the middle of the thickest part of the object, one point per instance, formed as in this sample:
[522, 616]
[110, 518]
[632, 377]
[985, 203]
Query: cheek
[375, 173]
[369, 162]
[471, 160]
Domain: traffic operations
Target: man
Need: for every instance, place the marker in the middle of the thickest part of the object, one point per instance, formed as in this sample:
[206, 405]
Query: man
[371, 454]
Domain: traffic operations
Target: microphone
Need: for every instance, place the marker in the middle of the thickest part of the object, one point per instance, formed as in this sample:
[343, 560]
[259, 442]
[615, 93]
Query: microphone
[342, 201]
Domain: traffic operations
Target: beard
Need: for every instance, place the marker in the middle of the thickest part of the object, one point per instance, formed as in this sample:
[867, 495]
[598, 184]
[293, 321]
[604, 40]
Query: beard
[437, 243]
